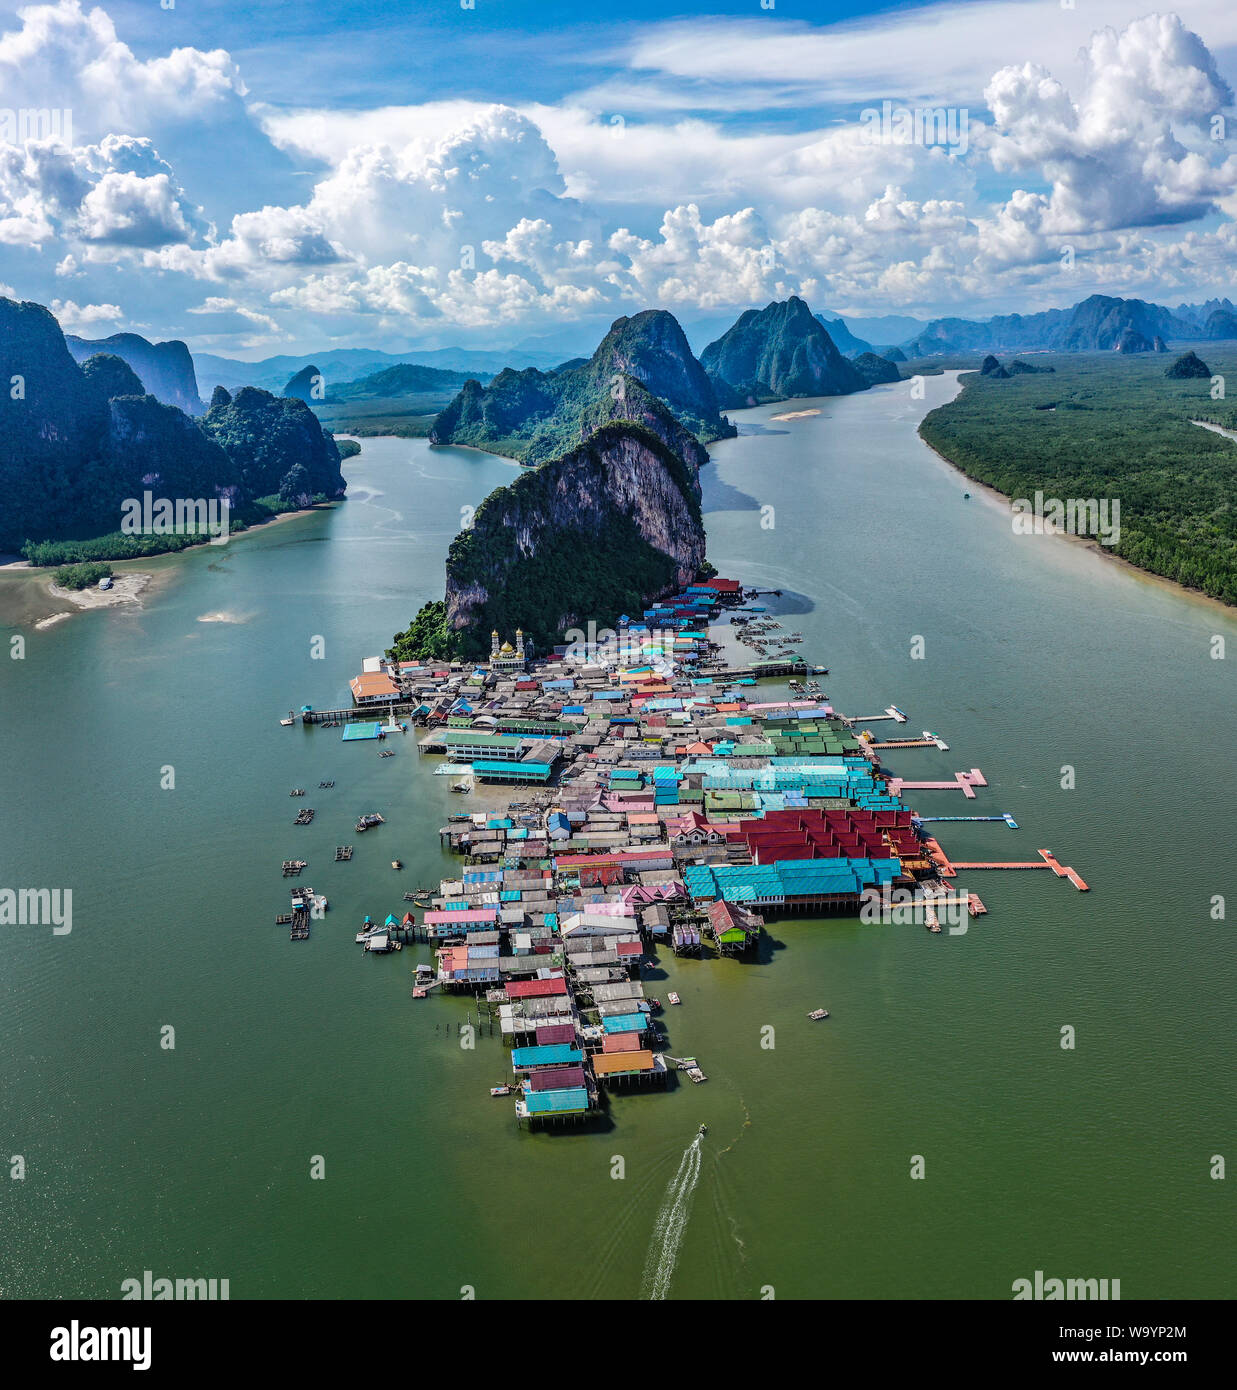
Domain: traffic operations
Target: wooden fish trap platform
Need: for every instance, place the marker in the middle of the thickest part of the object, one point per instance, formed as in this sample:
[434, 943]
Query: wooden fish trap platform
[343, 852]
[292, 867]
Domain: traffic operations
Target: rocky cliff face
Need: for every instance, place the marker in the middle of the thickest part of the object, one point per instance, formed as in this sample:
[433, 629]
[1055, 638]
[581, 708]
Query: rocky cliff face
[652, 348]
[166, 369]
[587, 536]
[775, 353]
[642, 371]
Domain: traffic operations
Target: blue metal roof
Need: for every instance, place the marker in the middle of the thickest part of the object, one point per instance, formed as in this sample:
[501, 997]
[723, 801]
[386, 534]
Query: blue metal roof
[546, 1055]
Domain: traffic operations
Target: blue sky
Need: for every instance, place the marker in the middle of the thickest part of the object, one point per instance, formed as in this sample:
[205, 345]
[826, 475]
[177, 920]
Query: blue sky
[279, 177]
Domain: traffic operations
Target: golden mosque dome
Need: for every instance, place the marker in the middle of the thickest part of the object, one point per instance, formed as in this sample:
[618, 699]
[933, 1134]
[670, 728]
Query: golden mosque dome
[507, 647]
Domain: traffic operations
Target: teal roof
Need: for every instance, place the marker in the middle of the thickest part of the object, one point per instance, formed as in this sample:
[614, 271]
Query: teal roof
[557, 1102]
[626, 1023]
[522, 771]
[546, 1055]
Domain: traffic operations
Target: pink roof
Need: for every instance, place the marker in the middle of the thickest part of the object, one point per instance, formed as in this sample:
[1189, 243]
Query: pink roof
[434, 919]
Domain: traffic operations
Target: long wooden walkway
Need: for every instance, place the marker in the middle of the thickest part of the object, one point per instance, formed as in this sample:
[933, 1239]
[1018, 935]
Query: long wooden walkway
[949, 868]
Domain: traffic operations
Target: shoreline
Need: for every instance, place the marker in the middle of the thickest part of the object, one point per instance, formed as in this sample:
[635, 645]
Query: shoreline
[1089, 542]
[9, 561]
[35, 601]
[126, 588]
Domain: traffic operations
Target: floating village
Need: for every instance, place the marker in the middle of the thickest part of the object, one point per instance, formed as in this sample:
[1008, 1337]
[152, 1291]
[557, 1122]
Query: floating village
[663, 806]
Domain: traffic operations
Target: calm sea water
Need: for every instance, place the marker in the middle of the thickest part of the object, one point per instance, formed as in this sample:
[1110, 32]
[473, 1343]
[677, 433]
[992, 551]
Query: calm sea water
[196, 1161]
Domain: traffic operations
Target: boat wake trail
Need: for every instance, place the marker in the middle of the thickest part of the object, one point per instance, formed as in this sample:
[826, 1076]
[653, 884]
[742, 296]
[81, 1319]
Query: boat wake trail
[671, 1222]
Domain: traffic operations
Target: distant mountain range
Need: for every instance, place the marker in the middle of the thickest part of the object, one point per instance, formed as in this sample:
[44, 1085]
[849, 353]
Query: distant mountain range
[340, 366]
[404, 379]
[1096, 324]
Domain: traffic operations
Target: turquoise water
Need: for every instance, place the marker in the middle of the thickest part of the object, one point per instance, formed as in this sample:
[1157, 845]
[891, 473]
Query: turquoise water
[196, 1161]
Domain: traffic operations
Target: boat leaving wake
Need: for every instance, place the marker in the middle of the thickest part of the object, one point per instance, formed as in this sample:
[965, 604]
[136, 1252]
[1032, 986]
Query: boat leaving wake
[671, 1222]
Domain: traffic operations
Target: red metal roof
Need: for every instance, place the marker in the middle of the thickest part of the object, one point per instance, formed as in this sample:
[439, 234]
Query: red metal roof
[535, 989]
[556, 1033]
[621, 1042]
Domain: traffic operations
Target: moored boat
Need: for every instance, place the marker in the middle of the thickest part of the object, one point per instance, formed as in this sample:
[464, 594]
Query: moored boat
[819, 1013]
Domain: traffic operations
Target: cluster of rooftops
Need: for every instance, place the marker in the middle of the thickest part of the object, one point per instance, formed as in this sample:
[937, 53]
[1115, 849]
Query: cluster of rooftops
[670, 807]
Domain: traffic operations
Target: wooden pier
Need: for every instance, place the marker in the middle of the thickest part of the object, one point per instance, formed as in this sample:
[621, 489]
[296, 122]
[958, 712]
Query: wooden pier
[948, 868]
[891, 712]
[966, 782]
[896, 743]
[371, 713]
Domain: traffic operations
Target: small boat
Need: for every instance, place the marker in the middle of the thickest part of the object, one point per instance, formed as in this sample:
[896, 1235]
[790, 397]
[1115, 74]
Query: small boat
[704, 1129]
[287, 723]
[460, 787]
[819, 1013]
[966, 496]
[935, 928]
[366, 822]
[397, 863]
[500, 1090]
[673, 998]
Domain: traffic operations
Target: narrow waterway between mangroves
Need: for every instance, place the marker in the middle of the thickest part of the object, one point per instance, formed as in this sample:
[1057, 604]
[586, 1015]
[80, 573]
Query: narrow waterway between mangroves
[1037, 655]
